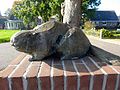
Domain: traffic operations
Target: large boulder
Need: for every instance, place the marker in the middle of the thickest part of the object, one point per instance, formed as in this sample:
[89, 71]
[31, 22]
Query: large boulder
[74, 44]
[49, 38]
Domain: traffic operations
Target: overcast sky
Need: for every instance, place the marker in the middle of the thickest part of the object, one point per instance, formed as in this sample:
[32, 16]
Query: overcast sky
[105, 5]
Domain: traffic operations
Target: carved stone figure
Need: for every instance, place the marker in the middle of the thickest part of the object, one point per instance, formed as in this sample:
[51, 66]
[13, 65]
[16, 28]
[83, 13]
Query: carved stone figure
[52, 37]
[74, 44]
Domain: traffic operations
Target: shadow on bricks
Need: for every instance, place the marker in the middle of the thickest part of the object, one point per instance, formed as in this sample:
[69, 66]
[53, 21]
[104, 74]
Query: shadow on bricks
[105, 56]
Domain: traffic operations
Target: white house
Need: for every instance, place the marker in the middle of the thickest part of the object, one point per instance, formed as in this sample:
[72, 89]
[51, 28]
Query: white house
[14, 24]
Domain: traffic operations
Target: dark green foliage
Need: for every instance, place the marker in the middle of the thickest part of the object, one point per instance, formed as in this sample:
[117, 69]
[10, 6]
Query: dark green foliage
[111, 34]
[9, 14]
[29, 10]
[107, 33]
[88, 8]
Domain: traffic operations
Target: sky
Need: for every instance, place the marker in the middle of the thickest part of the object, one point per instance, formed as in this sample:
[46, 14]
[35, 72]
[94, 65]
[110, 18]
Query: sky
[5, 4]
[105, 5]
[110, 5]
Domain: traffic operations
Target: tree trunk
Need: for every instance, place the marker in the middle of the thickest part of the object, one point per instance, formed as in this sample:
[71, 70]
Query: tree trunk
[72, 12]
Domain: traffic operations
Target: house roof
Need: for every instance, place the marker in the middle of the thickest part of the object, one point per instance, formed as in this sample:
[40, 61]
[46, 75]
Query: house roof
[105, 16]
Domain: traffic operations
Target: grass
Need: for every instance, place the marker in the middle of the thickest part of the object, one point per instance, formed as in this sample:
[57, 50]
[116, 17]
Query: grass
[5, 35]
[117, 35]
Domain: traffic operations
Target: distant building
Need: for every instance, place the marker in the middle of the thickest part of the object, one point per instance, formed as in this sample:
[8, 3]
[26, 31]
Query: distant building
[119, 22]
[10, 23]
[14, 24]
[105, 19]
[2, 22]
[119, 18]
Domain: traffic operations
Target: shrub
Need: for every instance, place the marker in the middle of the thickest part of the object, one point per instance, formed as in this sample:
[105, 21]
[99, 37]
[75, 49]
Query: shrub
[88, 25]
[107, 33]
[95, 33]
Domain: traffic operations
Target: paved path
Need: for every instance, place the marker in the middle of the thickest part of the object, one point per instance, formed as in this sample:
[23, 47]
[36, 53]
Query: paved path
[7, 54]
[109, 46]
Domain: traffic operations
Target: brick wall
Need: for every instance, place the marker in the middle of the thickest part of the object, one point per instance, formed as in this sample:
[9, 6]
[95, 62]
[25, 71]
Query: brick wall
[85, 74]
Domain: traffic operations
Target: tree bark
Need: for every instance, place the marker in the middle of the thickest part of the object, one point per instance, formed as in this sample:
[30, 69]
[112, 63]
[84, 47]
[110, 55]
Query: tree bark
[72, 12]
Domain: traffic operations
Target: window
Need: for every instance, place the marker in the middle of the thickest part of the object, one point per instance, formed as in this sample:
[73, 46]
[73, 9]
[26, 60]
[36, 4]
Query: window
[104, 23]
[97, 23]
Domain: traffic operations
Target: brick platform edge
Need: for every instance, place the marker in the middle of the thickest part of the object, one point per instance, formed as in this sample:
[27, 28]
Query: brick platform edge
[83, 74]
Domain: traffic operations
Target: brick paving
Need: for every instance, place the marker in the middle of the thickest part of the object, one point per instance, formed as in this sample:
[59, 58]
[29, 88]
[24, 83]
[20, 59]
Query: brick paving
[83, 74]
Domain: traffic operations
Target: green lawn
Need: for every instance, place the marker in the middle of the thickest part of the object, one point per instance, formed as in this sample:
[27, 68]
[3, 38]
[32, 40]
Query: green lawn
[5, 35]
[117, 35]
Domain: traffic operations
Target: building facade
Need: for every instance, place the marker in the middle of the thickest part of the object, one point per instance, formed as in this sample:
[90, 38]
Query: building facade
[14, 24]
[2, 20]
[105, 19]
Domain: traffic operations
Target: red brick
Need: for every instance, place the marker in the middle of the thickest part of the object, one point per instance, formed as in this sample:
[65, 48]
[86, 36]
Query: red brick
[33, 70]
[3, 77]
[117, 68]
[111, 85]
[58, 76]
[45, 75]
[119, 84]
[16, 77]
[84, 76]
[112, 76]
[44, 71]
[4, 84]
[32, 75]
[58, 82]
[25, 63]
[98, 82]
[17, 83]
[18, 59]
[79, 61]
[57, 62]
[98, 74]
[6, 72]
[71, 75]
[32, 83]
[20, 71]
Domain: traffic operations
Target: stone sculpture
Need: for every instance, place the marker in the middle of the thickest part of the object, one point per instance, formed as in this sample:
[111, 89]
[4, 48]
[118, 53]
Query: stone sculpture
[52, 37]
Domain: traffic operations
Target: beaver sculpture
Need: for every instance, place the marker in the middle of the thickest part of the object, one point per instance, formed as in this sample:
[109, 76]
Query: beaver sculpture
[49, 38]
